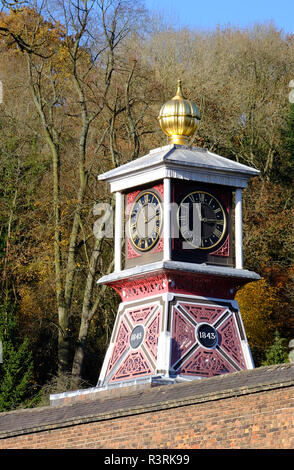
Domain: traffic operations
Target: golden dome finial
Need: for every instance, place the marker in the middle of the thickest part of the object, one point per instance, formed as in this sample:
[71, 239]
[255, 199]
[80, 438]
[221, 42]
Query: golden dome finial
[179, 118]
[179, 90]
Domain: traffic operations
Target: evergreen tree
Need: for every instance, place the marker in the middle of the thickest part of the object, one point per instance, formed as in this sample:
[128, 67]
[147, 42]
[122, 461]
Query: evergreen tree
[16, 370]
[277, 353]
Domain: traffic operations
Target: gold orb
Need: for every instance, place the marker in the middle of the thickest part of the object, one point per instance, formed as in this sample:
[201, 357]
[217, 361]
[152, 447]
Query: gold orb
[179, 118]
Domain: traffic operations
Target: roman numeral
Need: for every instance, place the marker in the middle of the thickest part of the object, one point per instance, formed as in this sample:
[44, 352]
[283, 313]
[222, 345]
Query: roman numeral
[217, 232]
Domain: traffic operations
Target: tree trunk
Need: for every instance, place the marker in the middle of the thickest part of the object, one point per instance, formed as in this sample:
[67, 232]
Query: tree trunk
[52, 140]
[88, 310]
[63, 343]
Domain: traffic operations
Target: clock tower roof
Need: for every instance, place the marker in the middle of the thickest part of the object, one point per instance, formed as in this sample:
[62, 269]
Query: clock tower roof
[179, 162]
[243, 276]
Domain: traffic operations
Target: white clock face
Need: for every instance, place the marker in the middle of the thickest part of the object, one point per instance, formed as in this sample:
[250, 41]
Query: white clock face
[145, 221]
[211, 217]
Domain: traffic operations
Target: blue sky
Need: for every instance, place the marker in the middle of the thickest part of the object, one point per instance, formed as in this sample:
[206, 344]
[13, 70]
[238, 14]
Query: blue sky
[241, 13]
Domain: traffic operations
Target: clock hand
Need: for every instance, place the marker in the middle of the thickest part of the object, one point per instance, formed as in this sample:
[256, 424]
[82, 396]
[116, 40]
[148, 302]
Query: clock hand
[150, 218]
[204, 219]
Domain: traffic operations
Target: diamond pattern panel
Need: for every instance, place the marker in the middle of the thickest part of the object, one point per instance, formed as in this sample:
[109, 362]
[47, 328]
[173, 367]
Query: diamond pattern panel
[230, 342]
[183, 336]
[189, 356]
[135, 365]
[203, 313]
[121, 344]
[128, 362]
[152, 334]
[141, 314]
[206, 364]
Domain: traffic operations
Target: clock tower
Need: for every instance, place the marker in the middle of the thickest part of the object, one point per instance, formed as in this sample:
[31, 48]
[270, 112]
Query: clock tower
[178, 260]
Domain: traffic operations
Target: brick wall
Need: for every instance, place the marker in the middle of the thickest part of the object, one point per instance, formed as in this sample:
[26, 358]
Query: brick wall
[233, 411]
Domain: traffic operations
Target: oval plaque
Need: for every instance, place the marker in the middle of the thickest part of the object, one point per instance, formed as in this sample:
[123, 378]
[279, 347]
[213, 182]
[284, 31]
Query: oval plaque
[137, 336]
[207, 335]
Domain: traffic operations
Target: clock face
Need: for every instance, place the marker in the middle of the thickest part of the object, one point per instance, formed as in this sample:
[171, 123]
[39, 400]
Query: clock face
[202, 220]
[145, 221]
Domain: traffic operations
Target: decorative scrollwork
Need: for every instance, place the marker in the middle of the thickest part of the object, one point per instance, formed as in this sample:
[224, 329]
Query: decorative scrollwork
[131, 252]
[140, 314]
[133, 366]
[183, 336]
[121, 345]
[206, 364]
[152, 335]
[225, 355]
[175, 282]
[223, 250]
[230, 342]
[203, 313]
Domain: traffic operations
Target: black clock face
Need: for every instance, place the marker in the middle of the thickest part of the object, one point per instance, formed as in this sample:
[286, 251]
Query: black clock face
[145, 221]
[202, 220]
